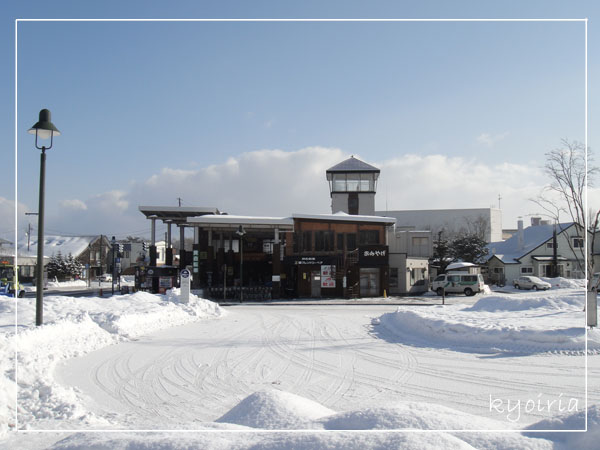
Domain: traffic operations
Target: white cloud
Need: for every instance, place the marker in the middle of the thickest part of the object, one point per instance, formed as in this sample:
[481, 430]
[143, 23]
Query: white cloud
[440, 182]
[109, 201]
[7, 217]
[490, 140]
[75, 204]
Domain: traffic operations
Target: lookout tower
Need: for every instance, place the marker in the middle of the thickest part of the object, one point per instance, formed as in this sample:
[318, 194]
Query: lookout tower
[352, 186]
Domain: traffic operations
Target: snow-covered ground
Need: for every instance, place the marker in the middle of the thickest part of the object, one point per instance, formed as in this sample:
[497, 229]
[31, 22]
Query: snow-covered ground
[510, 362]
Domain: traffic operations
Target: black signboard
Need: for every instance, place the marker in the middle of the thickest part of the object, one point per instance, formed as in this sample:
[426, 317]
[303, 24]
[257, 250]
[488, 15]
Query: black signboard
[373, 255]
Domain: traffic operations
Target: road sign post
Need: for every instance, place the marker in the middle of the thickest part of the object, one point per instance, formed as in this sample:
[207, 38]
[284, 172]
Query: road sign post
[184, 284]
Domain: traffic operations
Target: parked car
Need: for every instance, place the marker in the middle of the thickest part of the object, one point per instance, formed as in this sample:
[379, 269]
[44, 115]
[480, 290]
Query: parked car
[105, 277]
[9, 290]
[529, 282]
[457, 283]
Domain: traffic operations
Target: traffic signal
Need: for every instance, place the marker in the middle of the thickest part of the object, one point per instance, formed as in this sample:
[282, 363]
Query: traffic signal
[144, 246]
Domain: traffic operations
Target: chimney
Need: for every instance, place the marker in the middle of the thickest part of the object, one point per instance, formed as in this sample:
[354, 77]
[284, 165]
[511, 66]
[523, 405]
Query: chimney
[520, 235]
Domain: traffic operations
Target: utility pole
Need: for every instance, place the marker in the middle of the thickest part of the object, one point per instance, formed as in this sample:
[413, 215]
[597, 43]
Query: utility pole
[29, 229]
[554, 253]
[499, 198]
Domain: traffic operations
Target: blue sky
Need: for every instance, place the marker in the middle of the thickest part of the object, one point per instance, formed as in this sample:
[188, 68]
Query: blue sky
[215, 112]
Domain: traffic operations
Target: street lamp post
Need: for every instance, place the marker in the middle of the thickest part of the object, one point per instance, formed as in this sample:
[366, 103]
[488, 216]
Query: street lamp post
[43, 129]
[240, 232]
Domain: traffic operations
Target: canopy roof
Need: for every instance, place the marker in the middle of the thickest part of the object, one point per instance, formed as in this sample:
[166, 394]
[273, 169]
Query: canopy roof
[177, 214]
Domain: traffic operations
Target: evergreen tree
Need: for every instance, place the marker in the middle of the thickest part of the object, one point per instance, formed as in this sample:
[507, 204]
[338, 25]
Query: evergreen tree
[469, 248]
[73, 267]
[441, 252]
[53, 267]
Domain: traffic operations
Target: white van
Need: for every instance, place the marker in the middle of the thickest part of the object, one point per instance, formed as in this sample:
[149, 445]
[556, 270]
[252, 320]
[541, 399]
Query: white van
[457, 283]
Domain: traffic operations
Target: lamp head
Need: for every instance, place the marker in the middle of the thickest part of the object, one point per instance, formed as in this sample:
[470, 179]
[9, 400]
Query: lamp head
[44, 128]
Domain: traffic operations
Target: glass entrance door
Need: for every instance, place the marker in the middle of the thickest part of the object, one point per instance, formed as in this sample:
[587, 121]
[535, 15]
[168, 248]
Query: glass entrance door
[369, 282]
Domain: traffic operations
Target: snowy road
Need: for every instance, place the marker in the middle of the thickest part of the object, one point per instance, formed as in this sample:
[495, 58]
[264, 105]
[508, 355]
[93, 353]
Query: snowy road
[330, 354]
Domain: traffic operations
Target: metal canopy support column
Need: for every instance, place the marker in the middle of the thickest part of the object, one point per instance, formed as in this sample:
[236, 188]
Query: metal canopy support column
[153, 242]
[220, 265]
[168, 246]
[276, 278]
[229, 260]
[210, 259]
[182, 246]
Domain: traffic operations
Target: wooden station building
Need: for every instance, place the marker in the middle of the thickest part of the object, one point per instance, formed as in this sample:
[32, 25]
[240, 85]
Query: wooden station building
[343, 254]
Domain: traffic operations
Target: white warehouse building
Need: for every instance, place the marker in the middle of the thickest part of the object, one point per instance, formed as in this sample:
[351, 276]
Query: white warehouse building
[488, 221]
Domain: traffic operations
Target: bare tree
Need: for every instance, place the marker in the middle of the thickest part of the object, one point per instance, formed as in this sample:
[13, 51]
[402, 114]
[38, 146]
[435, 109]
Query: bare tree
[569, 172]
[477, 226]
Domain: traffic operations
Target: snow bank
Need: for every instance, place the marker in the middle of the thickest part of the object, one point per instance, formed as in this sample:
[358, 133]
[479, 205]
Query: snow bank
[527, 323]
[565, 283]
[574, 421]
[571, 300]
[73, 327]
[275, 410]
[410, 415]
[270, 441]
[74, 283]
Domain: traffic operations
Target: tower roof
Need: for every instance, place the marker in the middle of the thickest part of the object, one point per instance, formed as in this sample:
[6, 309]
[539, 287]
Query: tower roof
[353, 165]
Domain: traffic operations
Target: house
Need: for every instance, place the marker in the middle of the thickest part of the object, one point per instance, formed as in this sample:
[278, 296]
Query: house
[89, 250]
[410, 251]
[131, 253]
[531, 252]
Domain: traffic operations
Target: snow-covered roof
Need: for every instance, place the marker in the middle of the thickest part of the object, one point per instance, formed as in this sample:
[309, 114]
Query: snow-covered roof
[344, 217]
[509, 251]
[460, 265]
[230, 221]
[353, 165]
[176, 213]
[74, 245]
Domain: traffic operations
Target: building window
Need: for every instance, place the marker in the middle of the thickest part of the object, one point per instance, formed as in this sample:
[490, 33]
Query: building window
[307, 241]
[340, 242]
[393, 277]
[350, 241]
[352, 182]
[295, 240]
[577, 242]
[368, 237]
[319, 241]
[499, 270]
[324, 241]
[420, 241]
[329, 241]
[527, 270]
[550, 244]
